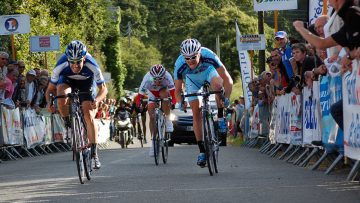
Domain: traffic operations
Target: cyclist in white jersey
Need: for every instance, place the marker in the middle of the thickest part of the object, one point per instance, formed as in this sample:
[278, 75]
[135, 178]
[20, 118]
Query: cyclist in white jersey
[157, 83]
[78, 69]
[195, 66]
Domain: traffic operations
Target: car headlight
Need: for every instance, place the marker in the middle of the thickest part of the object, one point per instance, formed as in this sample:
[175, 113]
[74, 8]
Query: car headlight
[172, 117]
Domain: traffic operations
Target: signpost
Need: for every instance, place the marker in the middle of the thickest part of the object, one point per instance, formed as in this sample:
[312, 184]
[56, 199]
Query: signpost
[14, 24]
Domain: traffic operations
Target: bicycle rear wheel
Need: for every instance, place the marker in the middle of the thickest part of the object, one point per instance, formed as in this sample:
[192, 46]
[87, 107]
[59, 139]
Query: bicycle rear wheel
[77, 149]
[208, 146]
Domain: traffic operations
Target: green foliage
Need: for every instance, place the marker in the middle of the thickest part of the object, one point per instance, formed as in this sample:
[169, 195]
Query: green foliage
[112, 50]
[137, 59]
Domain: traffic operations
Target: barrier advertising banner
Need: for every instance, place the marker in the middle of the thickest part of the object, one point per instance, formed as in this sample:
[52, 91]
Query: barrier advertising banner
[12, 133]
[59, 128]
[330, 92]
[103, 130]
[272, 5]
[282, 127]
[295, 119]
[272, 130]
[351, 104]
[46, 116]
[311, 114]
[34, 128]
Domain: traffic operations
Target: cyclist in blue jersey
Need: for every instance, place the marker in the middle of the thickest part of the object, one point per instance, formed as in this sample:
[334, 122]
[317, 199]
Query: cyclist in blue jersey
[194, 67]
[78, 69]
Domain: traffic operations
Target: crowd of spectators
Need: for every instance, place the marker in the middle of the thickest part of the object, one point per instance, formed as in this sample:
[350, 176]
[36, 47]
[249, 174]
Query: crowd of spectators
[295, 64]
[23, 89]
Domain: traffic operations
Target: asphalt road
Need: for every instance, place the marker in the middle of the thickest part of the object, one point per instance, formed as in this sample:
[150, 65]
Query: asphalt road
[130, 175]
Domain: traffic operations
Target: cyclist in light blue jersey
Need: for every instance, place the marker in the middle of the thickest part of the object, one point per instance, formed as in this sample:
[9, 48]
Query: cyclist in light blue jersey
[194, 67]
[78, 69]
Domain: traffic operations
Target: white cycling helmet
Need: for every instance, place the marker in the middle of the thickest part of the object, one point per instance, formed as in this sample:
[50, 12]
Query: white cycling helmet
[157, 71]
[190, 47]
[76, 50]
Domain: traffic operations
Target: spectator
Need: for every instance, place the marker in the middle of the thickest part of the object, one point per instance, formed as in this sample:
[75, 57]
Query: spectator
[10, 81]
[21, 68]
[284, 46]
[278, 71]
[30, 87]
[19, 93]
[303, 62]
[4, 57]
[40, 101]
[239, 108]
[320, 23]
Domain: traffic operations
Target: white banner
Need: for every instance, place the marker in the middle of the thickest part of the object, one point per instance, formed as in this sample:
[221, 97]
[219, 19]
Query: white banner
[34, 128]
[59, 129]
[295, 119]
[14, 24]
[272, 131]
[103, 130]
[45, 43]
[245, 69]
[46, 116]
[252, 42]
[351, 104]
[12, 132]
[316, 10]
[282, 127]
[255, 123]
[272, 5]
[311, 114]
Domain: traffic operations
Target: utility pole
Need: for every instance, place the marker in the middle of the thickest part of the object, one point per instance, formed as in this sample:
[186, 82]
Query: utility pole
[261, 63]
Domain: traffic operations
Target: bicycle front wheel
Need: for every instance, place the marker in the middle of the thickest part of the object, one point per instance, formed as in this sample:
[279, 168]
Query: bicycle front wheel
[208, 145]
[77, 143]
[156, 143]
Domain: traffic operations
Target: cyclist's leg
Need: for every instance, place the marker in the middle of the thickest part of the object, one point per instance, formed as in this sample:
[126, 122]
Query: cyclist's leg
[63, 87]
[164, 93]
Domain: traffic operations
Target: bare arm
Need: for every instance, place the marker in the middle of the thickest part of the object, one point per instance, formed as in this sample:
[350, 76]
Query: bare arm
[178, 90]
[228, 82]
[102, 92]
[318, 42]
[50, 90]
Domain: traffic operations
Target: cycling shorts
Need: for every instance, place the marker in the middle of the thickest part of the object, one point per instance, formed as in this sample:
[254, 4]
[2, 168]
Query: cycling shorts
[81, 85]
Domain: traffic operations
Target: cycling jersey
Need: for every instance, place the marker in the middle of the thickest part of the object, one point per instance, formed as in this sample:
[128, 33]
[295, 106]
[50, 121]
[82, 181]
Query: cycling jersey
[149, 87]
[208, 58]
[83, 81]
[91, 70]
[195, 78]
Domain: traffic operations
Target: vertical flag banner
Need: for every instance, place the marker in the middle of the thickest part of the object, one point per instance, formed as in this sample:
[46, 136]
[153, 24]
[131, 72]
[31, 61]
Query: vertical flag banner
[316, 10]
[245, 69]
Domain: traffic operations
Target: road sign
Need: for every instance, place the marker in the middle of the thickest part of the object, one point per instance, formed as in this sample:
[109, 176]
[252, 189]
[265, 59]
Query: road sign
[251, 42]
[45, 43]
[14, 24]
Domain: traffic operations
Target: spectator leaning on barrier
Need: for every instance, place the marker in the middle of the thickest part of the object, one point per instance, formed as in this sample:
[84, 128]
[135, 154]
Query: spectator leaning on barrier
[303, 61]
[348, 37]
[319, 25]
[283, 44]
[40, 100]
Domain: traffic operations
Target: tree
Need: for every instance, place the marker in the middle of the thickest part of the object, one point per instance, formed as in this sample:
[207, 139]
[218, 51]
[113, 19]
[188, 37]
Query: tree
[137, 59]
[112, 51]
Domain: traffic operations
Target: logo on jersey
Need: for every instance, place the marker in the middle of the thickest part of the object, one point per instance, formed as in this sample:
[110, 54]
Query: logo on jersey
[11, 24]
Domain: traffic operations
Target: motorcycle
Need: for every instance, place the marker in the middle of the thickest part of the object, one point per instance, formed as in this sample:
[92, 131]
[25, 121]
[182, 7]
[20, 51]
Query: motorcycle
[124, 128]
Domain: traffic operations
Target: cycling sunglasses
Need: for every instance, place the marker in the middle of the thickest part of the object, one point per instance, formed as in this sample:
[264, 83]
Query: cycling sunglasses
[158, 79]
[77, 62]
[190, 58]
